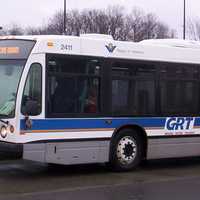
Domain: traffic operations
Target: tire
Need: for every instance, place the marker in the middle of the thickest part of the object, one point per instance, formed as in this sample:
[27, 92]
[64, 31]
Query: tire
[126, 151]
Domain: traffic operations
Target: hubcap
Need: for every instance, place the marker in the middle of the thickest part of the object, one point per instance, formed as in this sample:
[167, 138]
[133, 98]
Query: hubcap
[126, 150]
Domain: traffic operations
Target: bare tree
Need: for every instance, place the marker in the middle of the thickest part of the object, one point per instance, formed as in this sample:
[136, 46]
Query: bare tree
[115, 21]
[13, 29]
[197, 28]
[140, 26]
[3, 32]
[55, 24]
[44, 30]
[134, 26]
[94, 21]
[193, 28]
[74, 23]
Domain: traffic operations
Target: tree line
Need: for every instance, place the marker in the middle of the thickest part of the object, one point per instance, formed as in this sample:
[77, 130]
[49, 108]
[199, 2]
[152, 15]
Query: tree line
[193, 30]
[134, 26]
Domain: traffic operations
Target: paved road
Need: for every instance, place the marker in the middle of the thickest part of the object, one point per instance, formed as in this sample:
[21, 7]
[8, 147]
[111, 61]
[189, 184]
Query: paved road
[162, 180]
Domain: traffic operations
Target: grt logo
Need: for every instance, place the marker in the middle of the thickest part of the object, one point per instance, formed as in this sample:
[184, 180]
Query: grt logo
[179, 123]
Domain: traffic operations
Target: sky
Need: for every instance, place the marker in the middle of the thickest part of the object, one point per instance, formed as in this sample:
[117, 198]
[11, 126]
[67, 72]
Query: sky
[36, 12]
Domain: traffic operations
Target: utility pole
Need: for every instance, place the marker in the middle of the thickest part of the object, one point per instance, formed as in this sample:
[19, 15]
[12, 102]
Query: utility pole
[184, 19]
[64, 18]
[1, 28]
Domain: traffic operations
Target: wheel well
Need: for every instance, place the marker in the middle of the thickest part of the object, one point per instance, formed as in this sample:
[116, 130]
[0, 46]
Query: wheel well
[141, 132]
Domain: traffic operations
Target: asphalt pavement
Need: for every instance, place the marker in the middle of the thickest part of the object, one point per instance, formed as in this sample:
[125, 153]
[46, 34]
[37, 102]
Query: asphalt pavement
[162, 180]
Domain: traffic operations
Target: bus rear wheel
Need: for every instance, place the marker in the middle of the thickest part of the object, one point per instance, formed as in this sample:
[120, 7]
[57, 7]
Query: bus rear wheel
[126, 150]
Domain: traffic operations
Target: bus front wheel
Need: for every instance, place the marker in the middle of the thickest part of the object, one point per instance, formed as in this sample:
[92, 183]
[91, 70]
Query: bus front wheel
[126, 150]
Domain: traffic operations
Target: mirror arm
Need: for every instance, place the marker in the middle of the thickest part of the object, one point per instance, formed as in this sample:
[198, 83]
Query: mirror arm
[28, 122]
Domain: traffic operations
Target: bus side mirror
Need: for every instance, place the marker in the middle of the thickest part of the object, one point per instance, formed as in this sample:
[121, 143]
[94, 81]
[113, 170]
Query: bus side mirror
[30, 109]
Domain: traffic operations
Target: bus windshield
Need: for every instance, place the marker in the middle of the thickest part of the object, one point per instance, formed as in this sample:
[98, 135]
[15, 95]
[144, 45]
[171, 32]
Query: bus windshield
[13, 56]
[10, 73]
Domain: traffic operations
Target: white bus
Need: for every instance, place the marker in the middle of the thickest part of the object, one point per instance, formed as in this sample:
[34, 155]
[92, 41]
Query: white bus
[90, 99]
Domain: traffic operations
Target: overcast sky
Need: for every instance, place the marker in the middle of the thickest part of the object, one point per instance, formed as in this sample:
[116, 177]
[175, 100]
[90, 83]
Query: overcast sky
[36, 12]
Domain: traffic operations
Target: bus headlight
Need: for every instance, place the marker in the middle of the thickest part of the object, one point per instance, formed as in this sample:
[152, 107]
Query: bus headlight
[3, 132]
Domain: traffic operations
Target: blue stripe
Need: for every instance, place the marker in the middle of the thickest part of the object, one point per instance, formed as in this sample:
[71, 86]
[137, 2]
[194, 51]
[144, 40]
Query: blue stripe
[197, 121]
[59, 124]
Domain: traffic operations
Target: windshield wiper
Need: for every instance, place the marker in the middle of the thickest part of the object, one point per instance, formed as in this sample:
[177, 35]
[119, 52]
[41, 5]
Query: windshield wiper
[5, 122]
[1, 120]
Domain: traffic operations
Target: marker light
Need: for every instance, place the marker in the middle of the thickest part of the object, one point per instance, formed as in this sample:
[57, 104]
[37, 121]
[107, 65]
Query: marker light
[12, 129]
[3, 132]
[50, 44]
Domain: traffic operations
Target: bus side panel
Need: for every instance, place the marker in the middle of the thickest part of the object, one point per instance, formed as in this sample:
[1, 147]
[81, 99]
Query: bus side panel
[68, 152]
[173, 147]
[35, 152]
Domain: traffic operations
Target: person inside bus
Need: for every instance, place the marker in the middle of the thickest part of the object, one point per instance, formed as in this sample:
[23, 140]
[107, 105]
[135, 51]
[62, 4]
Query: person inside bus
[91, 102]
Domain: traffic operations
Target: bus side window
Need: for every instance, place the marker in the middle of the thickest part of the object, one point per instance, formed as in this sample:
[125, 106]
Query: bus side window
[32, 95]
[73, 86]
[133, 89]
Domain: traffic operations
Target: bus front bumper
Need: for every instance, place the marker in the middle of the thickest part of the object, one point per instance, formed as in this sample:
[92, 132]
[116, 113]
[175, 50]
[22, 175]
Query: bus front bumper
[10, 151]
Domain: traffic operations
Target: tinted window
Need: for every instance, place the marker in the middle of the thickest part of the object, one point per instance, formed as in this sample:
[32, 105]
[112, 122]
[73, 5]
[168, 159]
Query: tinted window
[179, 71]
[133, 89]
[73, 86]
[32, 96]
[120, 95]
[179, 97]
[10, 74]
[59, 64]
[179, 86]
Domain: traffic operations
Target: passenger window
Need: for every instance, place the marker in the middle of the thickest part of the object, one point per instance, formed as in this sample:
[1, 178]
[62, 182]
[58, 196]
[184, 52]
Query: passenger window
[74, 95]
[179, 87]
[133, 89]
[120, 94]
[73, 86]
[179, 97]
[32, 95]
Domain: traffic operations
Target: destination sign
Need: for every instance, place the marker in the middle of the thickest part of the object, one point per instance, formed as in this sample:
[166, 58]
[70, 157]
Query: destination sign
[9, 50]
[15, 49]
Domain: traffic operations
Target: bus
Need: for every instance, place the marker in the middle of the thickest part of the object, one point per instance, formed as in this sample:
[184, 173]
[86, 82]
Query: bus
[90, 99]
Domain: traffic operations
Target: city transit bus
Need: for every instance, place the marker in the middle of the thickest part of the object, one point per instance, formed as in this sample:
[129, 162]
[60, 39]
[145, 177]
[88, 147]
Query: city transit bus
[91, 99]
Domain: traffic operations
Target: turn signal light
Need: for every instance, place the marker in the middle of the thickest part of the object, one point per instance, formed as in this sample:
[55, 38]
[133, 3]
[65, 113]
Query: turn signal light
[12, 129]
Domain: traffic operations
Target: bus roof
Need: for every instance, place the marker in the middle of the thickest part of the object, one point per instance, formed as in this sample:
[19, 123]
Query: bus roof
[162, 50]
